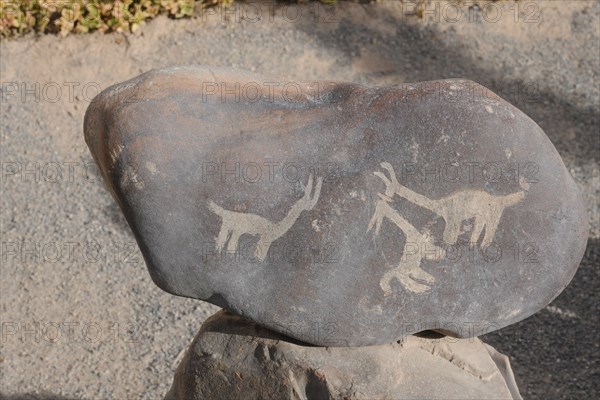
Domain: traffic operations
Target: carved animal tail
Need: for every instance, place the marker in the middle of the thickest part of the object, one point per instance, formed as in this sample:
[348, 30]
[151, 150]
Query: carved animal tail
[513, 198]
[216, 208]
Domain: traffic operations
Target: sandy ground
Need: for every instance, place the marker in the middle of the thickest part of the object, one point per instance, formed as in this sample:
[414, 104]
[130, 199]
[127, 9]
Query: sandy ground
[81, 318]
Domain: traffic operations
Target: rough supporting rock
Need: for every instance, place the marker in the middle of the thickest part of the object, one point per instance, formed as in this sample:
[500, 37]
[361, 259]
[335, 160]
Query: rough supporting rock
[232, 358]
[339, 214]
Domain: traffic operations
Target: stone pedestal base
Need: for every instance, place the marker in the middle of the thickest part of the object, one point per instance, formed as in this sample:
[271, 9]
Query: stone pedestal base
[233, 358]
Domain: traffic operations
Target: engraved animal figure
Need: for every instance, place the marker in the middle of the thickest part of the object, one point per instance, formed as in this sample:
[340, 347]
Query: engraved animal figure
[484, 208]
[409, 271]
[235, 224]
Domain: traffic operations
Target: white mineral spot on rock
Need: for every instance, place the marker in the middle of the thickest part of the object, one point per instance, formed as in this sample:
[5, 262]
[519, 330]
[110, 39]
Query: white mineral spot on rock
[131, 176]
[315, 225]
[489, 109]
[508, 153]
[443, 138]
[511, 314]
[151, 167]
[414, 149]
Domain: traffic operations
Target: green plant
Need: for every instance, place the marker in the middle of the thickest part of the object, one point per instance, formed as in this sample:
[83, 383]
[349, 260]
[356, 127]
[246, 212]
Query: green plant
[19, 17]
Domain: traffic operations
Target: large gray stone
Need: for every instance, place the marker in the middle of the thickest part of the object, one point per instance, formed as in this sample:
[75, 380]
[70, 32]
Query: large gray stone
[232, 358]
[335, 213]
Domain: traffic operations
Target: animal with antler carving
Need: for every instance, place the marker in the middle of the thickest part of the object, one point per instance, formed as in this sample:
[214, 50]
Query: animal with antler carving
[484, 208]
[409, 272]
[235, 224]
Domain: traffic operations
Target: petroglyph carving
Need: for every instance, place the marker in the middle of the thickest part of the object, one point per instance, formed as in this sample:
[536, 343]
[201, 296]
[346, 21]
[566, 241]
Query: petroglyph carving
[484, 208]
[409, 271]
[235, 224]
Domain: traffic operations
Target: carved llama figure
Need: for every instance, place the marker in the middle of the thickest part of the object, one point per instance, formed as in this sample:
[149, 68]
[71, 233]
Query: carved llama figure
[235, 224]
[485, 208]
[409, 271]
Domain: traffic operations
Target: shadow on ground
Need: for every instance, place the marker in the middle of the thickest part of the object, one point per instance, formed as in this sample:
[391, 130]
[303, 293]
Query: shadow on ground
[555, 353]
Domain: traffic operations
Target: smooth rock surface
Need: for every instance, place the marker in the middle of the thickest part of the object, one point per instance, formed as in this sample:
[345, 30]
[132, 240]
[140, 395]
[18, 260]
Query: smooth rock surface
[335, 213]
[233, 358]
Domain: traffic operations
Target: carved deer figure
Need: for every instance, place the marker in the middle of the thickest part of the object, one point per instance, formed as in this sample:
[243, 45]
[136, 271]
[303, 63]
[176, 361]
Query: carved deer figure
[484, 208]
[235, 224]
[409, 271]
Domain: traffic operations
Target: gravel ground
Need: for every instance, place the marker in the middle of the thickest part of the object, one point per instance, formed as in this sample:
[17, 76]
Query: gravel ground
[81, 318]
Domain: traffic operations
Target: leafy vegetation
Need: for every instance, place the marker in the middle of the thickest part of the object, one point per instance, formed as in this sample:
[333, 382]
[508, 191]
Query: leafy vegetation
[18, 17]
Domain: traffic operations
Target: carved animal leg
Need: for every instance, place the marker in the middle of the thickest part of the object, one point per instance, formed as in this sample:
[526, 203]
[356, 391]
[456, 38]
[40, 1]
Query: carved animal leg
[222, 238]
[405, 280]
[421, 274]
[451, 231]
[406, 273]
[262, 249]
[385, 283]
[412, 285]
[232, 246]
[478, 226]
[490, 230]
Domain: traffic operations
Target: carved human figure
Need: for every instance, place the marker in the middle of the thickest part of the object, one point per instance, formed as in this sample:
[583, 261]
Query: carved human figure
[235, 224]
[485, 209]
[409, 271]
